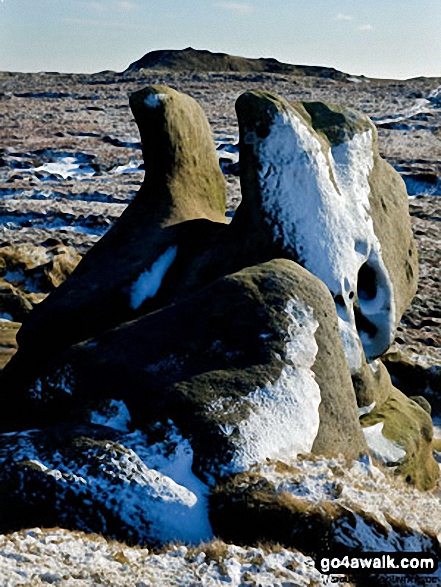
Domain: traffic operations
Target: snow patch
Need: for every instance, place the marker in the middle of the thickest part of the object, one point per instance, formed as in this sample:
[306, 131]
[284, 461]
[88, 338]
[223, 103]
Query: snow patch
[115, 415]
[366, 409]
[149, 282]
[74, 558]
[151, 488]
[131, 167]
[318, 206]
[384, 450]
[66, 167]
[154, 100]
[283, 417]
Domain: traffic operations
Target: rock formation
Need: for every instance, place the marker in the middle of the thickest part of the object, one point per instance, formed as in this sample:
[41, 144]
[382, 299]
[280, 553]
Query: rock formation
[248, 367]
[182, 195]
[247, 343]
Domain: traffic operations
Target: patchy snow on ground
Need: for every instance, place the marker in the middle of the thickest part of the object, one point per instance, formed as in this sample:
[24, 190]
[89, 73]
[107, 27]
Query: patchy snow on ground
[66, 167]
[149, 282]
[132, 167]
[37, 557]
[362, 487]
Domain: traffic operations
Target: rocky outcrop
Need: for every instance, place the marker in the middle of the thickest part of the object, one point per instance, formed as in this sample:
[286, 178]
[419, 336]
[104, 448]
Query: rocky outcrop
[183, 191]
[8, 344]
[399, 433]
[28, 273]
[232, 346]
[311, 174]
[92, 478]
[199, 61]
[250, 367]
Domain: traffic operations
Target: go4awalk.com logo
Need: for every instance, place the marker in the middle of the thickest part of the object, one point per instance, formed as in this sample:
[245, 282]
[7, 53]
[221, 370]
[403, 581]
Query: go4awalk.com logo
[414, 563]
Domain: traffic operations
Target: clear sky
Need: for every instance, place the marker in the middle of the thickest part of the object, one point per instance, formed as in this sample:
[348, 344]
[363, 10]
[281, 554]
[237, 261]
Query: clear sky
[378, 38]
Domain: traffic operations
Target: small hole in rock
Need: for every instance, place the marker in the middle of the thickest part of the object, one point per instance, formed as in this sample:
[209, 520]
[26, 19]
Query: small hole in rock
[351, 295]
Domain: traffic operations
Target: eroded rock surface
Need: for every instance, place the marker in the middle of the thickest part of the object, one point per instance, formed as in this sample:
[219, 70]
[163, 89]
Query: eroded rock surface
[249, 367]
[183, 182]
[315, 177]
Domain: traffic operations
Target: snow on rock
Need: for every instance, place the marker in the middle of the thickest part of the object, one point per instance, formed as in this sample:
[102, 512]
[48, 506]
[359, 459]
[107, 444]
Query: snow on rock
[35, 557]
[318, 205]
[383, 449]
[99, 480]
[114, 415]
[284, 417]
[366, 409]
[149, 282]
[154, 100]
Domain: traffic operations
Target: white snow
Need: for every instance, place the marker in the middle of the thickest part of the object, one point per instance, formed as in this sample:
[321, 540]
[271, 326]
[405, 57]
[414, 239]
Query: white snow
[174, 458]
[151, 488]
[421, 106]
[363, 487]
[384, 450]
[366, 409]
[154, 100]
[66, 167]
[283, 418]
[351, 344]
[131, 167]
[318, 206]
[114, 415]
[38, 557]
[149, 282]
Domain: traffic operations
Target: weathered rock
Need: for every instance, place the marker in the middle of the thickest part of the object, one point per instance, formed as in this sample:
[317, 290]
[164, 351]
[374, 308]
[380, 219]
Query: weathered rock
[398, 429]
[250, 367]
[96, 479]
[14, 304]
[29, 273]
[415, 375]
[125, 269]
[37, 269]
[312, 177]
[399, 433]
[8, 344]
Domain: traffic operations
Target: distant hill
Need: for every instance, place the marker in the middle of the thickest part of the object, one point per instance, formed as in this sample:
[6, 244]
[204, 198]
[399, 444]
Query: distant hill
[201, 60]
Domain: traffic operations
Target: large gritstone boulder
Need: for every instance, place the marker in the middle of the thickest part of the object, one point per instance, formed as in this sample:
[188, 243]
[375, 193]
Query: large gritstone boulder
[313, 179]
[123, 273]
[249, 368]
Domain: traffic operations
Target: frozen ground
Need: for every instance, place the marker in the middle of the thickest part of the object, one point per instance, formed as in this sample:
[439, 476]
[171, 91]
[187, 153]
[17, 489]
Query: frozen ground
[38, 557]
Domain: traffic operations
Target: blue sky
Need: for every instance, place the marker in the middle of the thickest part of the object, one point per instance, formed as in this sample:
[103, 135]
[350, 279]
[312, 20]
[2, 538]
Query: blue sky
[382, 38]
